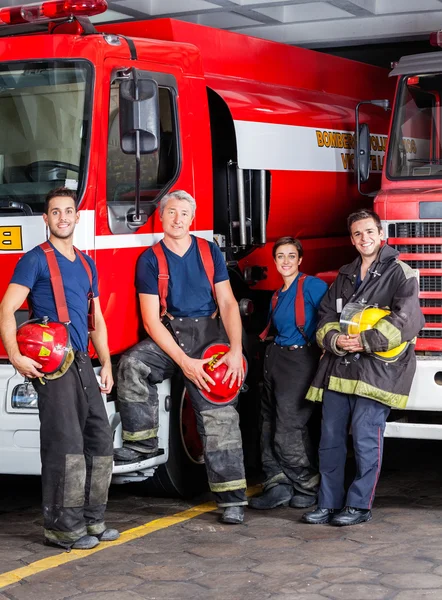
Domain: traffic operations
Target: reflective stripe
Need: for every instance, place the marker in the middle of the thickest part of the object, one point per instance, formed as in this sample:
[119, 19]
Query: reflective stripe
[322, 332]
[64, 536]
[228, 486]
[137, 436]
[96, 528]
[315, 394]
[390, 332]
[360, 388]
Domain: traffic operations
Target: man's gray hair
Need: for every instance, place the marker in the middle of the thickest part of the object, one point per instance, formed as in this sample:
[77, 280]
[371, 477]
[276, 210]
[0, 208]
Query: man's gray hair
[178, 195]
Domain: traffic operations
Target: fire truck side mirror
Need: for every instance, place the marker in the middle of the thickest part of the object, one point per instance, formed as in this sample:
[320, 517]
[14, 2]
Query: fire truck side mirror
[363, 153]
[139, 114]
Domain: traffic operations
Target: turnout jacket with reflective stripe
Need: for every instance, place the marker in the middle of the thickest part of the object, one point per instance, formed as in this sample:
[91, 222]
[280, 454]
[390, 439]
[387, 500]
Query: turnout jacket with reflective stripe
[389, 283]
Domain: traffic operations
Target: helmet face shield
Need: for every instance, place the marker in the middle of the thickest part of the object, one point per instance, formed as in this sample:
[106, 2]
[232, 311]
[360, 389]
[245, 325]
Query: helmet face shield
[48, 343]
[220, 393]
[356, 317]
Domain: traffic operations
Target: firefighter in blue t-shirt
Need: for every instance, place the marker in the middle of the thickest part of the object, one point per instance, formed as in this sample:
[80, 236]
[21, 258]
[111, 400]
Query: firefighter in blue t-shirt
[75, 436]
[177, 342]
[288, 455]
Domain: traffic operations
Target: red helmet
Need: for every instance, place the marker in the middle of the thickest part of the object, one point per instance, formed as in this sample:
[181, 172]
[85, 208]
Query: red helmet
[48, 343]
[220, 393]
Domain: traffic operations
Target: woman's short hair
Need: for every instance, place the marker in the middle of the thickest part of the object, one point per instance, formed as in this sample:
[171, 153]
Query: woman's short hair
[288, 239]
[178, 195]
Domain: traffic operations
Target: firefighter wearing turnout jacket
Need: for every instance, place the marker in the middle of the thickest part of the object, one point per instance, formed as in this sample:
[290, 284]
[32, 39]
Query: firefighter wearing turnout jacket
[356, 384]
[180, 326]
[75, 436]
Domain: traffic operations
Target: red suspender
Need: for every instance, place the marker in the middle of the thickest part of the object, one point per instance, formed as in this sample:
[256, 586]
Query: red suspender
[163, 271]
[91, 307]
[299, 310]
[206, 257]
[56, 282]
[265, 333]
[163, 277]
[58, 288]
[300, 307]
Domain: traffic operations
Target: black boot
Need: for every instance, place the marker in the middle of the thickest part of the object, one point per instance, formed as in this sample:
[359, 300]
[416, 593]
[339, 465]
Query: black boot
[233, 515]
[278, 495]
[320, 516]
[300, 500]
[351, 516]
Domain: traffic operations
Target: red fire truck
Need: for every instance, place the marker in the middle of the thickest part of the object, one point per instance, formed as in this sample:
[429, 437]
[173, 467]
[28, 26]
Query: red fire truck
[261, 134]
[410, 205]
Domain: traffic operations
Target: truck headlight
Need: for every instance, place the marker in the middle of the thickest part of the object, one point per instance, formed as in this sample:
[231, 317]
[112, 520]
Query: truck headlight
[24, 396]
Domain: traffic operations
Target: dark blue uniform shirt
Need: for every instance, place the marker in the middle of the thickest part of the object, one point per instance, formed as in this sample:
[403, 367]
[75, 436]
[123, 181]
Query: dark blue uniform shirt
[189, 290]
[32, 271]
[283, 316]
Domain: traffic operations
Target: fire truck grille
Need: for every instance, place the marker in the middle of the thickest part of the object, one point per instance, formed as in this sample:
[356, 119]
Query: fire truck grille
[425, 264]
[433, 318]
[412, 230]
[427, 283]
[419, 248]
[431, 333]
[431, 302]
[430, 284]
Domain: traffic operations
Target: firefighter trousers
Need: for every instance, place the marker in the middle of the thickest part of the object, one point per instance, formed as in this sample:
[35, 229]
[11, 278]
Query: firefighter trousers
[145, 365]
[76, 450]
[367, 418]
[288, 454]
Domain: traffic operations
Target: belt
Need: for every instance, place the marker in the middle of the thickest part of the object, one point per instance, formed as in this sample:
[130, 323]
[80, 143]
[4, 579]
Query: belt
[294, 347]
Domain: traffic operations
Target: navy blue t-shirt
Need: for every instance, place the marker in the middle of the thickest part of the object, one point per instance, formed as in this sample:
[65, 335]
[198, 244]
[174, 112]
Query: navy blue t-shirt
[283, 316]
[32, 271]
[189, 291]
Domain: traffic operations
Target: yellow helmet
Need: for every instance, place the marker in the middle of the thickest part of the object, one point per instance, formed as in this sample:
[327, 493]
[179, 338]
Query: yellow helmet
[356, 318]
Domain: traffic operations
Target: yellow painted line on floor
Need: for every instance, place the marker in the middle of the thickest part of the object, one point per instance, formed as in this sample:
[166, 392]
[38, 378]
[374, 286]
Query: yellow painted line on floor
[44, 564]
[126, 536]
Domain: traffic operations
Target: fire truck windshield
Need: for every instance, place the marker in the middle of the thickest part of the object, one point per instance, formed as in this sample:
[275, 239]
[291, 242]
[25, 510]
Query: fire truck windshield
[415, 148]
[44, 124]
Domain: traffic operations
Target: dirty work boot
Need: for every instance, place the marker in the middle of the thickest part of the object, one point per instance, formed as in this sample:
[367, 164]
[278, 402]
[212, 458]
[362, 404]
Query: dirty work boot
[86, 542]
[134, 452]
[300, 500]
[278, 495]
[108, 535]
[233, 515]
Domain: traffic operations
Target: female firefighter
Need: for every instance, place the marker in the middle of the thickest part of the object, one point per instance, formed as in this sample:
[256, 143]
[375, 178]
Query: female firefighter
[288, 454]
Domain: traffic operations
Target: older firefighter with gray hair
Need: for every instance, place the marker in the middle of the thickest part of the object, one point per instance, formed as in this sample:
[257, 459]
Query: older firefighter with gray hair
[181, 320]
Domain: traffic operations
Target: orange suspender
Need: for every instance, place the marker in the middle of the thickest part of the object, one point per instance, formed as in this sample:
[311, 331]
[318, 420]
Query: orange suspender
[163, 271]
[299, 310]
[58, 288]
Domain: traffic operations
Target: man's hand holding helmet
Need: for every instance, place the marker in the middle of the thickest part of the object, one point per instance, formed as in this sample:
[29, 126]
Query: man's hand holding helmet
[350, 342]
[235, 367]
[26, 366]
[192, 368]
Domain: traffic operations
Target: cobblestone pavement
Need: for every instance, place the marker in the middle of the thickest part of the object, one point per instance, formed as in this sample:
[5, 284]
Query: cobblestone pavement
[272, 556]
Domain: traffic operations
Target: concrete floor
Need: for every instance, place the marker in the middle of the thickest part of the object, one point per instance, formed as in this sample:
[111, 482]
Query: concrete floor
[273, 555]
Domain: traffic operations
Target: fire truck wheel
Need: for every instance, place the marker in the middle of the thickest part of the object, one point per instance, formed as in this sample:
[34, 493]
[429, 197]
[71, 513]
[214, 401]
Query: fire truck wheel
[184, 474]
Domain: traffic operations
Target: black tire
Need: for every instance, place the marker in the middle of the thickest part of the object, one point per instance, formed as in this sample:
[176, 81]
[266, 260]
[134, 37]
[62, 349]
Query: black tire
[181, 476]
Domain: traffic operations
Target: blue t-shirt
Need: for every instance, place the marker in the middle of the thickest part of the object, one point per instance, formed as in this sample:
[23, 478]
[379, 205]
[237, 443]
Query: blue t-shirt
[283, 316]
[189, 292]
[32, 271]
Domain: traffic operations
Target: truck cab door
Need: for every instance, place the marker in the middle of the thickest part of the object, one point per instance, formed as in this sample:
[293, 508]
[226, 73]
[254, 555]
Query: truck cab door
[119, 238]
